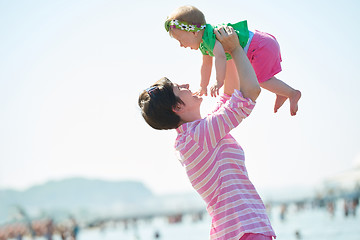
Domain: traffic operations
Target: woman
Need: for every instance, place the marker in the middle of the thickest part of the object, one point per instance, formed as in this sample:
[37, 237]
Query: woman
[213, 159]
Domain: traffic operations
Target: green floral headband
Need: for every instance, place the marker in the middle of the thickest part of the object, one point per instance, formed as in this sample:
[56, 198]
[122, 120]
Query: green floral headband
[183, 26]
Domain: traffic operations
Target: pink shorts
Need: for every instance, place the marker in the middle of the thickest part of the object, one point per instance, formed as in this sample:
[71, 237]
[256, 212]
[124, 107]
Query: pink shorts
[255, 236]
[264, 55]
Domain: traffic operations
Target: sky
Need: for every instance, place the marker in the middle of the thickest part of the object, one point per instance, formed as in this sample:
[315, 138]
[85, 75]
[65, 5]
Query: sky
[71, 72]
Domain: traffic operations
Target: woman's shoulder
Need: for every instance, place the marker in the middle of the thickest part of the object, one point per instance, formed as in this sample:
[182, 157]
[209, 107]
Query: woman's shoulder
[187, 128]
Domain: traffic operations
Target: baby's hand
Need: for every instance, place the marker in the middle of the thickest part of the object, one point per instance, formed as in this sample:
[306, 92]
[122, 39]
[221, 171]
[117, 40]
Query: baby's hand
[201, 91]
[214, 89]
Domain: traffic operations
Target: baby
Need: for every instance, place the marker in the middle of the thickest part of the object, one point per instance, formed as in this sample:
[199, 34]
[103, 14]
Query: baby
[187, 25]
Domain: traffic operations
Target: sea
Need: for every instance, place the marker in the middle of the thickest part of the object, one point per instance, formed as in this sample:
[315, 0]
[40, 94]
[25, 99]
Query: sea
[307, 223]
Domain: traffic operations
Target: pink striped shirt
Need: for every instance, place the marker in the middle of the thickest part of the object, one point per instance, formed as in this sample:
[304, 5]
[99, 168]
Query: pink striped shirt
[214, 163]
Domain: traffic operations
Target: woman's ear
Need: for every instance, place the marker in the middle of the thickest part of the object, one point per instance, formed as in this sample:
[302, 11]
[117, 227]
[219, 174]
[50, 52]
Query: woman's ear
[178, 108]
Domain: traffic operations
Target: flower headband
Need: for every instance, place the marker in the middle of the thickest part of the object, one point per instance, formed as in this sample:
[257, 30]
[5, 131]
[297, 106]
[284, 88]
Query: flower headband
[183, 26]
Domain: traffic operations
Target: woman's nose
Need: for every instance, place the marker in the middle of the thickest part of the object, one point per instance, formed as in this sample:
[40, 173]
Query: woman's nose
[184, 86]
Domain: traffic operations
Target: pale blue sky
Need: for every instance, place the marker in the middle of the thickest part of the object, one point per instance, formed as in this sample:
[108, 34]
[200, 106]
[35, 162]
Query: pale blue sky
[71, 72]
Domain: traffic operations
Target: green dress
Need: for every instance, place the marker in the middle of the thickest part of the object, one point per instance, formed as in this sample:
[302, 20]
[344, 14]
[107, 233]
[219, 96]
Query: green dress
[209, 37]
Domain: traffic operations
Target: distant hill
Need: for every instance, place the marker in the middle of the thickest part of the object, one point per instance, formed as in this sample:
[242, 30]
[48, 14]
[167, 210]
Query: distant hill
[73, 195]
[90, 198]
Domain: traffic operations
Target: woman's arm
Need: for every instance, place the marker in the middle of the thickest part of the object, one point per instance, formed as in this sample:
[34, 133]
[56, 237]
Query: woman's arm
[229, 114]
[248, 84]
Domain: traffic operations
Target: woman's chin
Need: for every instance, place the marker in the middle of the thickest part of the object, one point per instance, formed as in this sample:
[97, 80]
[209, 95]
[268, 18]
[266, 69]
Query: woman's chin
[199, 98]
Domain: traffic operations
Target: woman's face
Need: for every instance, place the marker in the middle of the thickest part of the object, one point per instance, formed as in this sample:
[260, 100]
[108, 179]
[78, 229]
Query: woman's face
[191, 101]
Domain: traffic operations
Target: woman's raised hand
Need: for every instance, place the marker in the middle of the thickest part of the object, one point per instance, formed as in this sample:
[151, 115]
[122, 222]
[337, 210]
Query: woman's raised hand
[228, 38]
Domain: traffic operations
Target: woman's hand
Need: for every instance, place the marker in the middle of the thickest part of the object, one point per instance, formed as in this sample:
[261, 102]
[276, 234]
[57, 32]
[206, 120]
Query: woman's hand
[228, 38]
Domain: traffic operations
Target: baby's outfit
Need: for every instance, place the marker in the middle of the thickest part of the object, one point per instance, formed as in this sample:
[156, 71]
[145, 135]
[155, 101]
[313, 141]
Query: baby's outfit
[262, 49]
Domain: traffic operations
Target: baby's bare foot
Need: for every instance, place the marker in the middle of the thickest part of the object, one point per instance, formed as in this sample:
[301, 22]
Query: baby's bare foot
[294, 99]
[279, 102]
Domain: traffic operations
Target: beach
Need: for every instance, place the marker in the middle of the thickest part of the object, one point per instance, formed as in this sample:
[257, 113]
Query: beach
[312, 224]
[306, 223]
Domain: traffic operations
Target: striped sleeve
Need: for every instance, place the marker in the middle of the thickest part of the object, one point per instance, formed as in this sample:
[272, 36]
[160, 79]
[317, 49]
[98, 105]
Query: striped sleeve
[227, 115]
[222, 100]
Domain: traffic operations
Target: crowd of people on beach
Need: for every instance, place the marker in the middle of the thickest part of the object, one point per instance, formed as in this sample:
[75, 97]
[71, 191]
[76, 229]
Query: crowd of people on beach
[45, 228]
[69, 229]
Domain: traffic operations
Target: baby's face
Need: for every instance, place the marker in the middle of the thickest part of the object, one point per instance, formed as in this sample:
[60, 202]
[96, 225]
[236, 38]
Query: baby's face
[187, 39]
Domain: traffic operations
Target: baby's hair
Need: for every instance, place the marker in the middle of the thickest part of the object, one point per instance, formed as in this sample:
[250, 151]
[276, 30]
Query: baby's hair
[157, 103]
[189, 14]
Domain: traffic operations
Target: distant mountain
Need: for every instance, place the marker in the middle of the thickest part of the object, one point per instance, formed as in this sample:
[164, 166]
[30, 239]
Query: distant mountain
[75, 194]
[89, 198]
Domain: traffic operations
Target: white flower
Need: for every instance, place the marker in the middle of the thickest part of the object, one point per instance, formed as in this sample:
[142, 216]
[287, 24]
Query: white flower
[191, 27]
[184, 27]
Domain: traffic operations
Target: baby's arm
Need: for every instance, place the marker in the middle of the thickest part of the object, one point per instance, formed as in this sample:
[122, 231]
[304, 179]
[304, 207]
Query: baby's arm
[220, 67]
[205, 75]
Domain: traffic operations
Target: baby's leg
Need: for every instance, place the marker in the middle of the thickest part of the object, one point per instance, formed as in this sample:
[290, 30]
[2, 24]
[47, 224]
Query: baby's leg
[282, 91]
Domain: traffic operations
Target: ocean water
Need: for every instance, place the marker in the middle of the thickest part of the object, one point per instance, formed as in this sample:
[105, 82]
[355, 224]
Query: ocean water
[311, 224]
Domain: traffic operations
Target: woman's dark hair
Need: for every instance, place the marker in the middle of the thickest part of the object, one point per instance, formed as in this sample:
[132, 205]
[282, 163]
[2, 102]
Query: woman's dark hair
[157, 103]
